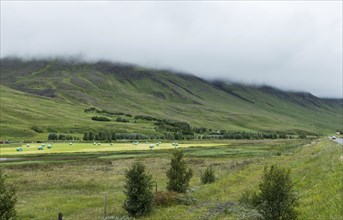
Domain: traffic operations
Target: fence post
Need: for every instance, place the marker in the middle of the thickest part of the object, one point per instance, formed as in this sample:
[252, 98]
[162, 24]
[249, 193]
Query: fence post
[156, 187]
[60, 216]
[105, 207]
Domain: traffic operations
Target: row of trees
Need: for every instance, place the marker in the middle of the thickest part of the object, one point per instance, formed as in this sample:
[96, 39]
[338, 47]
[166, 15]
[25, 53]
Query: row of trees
[62, 137]
[103, 111]
[112, 136]
[275, 200]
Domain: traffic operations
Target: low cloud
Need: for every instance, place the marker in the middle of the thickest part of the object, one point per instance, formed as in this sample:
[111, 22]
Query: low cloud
[291, 45]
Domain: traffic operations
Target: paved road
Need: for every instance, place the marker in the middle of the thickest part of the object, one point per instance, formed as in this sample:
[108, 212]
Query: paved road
[339, 140]
[9, 159]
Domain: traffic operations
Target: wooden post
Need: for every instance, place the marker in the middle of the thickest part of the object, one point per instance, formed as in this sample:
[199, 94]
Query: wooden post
[60, 216]
[156, 187]
[105, 207]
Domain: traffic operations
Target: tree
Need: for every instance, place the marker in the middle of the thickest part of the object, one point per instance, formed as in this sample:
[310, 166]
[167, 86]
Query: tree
[8, 198]
[90, 136]
[113, 136]
[52, 136]
[138, 190]
[85, 136]
[208, 176]
[277, 198]
[179, 174]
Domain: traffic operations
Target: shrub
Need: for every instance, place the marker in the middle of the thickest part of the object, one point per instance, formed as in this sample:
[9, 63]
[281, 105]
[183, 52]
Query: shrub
[277, 198]
[8, 198]
[302, 136]
[186, 199]
[165, 198]
[85, 136]
[120, 119]
[138, 190]
[179, 174]
[52, 136]
[37, 129]
[208, 176]
[248, 198]
[100, 118]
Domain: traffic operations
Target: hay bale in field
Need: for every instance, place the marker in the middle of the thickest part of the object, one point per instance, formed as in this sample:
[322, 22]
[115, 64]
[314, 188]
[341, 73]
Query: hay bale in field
[27, 145]
[49, 146]
[70, 143]
[43, 144]
[40, 147]
[19, 149]
[94, 143]
[151, 146]
[175, 144]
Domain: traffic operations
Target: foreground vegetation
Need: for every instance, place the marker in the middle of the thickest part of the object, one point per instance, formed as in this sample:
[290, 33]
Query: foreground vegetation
[75, 183]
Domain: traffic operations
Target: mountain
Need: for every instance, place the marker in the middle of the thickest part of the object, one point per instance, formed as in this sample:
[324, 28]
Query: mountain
[52, 94]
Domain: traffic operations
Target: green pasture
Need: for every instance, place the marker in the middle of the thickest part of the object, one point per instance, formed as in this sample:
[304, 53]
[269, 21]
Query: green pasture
[229, 147]
[93, 147]
[75, 185]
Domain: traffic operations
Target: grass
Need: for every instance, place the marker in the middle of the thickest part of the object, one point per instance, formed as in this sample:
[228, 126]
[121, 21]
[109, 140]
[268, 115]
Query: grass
[90, 147]
[139, 91]
[76, 186]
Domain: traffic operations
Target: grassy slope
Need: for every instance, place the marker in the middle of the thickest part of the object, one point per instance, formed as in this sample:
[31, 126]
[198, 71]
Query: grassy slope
[75, 187]
[20, 111]
[153, 92]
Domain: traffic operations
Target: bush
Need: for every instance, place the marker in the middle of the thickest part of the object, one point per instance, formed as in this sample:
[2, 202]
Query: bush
[248, 199]
[208, 176]
[179, 174]
[138, 190]
[120, 119]
[52, 136]
[8, 198]
[302, 136]
[186, 199]
[165, 198]
[37, 129]
[100, 118]
[277, 198]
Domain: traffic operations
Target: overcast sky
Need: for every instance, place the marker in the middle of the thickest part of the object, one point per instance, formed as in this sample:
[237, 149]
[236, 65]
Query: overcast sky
[293, 45]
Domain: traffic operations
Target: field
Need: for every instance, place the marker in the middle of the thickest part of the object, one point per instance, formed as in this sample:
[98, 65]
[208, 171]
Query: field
[93, 147]
[73, 179]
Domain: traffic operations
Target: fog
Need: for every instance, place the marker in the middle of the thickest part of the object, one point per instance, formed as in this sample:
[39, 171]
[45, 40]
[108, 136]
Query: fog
[293, 45]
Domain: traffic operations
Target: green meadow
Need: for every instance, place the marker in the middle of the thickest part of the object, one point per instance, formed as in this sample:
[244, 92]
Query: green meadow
[73, 179]
[53, 94]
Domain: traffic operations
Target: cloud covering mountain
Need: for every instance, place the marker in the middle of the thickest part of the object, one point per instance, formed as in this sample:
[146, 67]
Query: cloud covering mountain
[291, 45]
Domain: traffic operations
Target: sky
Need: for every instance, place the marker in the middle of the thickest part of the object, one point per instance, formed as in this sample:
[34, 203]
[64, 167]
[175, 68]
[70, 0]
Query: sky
[292, 45]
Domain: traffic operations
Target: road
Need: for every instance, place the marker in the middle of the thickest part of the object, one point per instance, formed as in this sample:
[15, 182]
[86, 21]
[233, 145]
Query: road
[339, 140]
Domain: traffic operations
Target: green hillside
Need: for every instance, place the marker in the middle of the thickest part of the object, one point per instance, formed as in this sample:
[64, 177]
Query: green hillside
[53, 94]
